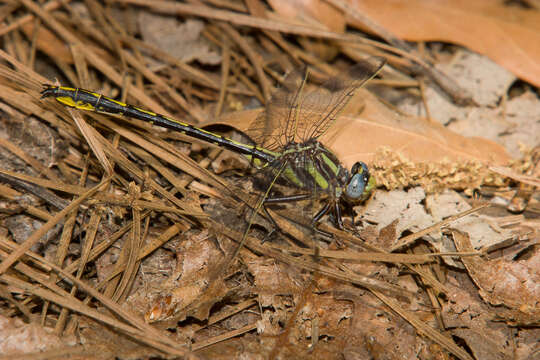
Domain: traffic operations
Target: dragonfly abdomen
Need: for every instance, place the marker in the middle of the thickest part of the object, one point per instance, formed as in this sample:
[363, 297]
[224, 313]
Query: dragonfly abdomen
[87, 100]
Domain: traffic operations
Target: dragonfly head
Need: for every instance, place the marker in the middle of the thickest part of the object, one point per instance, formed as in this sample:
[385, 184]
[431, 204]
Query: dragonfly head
[360, 183]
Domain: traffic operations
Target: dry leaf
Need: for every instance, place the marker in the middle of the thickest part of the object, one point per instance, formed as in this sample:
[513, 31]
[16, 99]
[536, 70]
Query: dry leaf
[518, 122]
[18, 337]
[502, 282]
[358, 137]
[509, 35]
[485, 80]
[512, 123]
[412, 215]
[313, 12]
[468, 318]
[182, 40]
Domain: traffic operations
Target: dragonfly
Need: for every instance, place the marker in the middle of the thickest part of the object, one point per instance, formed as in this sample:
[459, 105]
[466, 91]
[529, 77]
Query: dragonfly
[285, 136]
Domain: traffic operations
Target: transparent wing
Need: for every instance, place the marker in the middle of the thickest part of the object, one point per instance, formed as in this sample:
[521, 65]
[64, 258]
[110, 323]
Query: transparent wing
[274, 127]
[319, 109]
[296, 115]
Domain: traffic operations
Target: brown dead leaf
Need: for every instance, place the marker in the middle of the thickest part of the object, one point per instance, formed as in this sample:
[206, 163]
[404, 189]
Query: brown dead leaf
[314, 12]
[188, 290]
[502, 282]
[327, 314]
[358, 137]
[18, 337]
[468, 318]
[268, 284]
[181, 40]
[369, 321]
[507, 34]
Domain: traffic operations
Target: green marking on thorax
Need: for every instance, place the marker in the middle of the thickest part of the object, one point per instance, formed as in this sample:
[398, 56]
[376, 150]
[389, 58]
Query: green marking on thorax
[331, 164]
[319, 178]
[290, 175]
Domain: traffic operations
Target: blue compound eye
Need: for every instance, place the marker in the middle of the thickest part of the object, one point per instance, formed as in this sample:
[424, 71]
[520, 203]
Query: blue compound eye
[355, 187]
[360, 184]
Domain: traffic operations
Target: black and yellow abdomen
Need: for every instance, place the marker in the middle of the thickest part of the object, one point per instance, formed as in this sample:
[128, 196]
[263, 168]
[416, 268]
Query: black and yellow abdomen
[91, 101]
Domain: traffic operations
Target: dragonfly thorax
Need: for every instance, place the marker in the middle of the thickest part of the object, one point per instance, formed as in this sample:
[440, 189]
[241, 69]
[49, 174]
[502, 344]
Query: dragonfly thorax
[311, 166]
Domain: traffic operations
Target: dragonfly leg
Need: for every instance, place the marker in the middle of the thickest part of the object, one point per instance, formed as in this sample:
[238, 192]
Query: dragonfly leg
[320, 214]
[337, 213]
[318, 217]
[277, 200]
[275, 226]
[349, 208]
[295, 198]
[282, 199]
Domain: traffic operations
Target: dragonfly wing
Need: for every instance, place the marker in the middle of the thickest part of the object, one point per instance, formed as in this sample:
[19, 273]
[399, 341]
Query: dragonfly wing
[296, 115]
[275, 127]
[320, 108]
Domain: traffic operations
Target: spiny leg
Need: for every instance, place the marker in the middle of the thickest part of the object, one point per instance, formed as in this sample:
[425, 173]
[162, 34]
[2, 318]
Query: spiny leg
[277, 200]
[337, 214]
[321, 213]
[295, 198]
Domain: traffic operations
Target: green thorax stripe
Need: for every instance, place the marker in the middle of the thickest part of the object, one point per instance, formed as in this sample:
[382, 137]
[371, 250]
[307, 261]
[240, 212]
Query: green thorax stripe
[311, 166]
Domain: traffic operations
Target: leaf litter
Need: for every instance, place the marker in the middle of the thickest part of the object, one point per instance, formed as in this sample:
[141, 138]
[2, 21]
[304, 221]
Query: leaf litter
[507, 121]
[459, 287]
